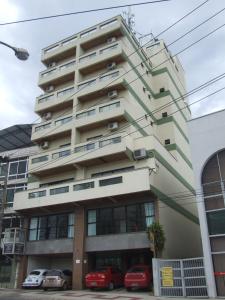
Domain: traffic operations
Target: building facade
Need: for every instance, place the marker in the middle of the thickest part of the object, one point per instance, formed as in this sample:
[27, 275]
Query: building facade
[15, 143]
[208, 154]
[113, 155]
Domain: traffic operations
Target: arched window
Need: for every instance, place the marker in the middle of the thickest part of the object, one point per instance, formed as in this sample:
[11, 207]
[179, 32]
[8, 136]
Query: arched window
[213, 184]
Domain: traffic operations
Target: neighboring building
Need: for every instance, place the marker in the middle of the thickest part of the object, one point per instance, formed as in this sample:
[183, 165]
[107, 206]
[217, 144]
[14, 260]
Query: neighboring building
[208, 156]
[15, 143]
[109, 163]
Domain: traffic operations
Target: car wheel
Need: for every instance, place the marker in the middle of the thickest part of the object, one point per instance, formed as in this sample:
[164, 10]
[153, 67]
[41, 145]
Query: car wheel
[40, 285]
[111, 286]
[64, 287]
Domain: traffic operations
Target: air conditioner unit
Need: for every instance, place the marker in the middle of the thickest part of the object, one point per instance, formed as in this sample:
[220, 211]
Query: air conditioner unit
[47, 116]
[112, 94]
[50, 88]
[111, 66]
[113, 126]
[111, 40]
[52, 64]
[140, 154]
[44, 145]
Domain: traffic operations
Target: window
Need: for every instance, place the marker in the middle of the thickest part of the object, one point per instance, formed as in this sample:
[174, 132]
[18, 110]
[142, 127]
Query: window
[39, 159]
[164, 114]
[45, 99]
[91, 222]
[65, 92]
[84, 186]
[18, 169]
[110, 181]
[85, 147]
[110, 141]
[109, 76]
[167, 142]
[42, 127]
[87, 57]
[37, 194]
[61, 154]
[93, 138]
[63, 121]
[51, 227]
[108, 49]
[89, 83]
[121, 219]
[61, 190]
[86, 114]
[11, 190]
[162, 90]
[109, 107]
[216, 222]
[115, 171]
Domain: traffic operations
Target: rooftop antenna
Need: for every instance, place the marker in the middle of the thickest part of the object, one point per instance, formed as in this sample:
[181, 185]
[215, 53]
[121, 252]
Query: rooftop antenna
[130, 19]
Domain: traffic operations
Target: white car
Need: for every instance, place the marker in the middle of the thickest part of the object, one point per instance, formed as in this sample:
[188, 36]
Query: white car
[35, 278]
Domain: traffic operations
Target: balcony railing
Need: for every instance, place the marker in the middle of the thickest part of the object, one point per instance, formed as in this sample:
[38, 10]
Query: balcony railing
[82, 34]
[92, 188]
[100, 51]
[58, 68]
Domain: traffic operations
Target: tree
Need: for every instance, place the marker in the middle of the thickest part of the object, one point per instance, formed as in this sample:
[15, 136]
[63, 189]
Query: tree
[156, 235]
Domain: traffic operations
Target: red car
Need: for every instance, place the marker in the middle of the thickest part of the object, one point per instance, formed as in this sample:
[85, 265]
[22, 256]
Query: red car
[104, 277]
[139, 276]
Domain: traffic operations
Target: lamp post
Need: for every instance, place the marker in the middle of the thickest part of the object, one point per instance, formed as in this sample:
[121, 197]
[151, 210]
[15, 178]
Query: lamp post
[20, 53]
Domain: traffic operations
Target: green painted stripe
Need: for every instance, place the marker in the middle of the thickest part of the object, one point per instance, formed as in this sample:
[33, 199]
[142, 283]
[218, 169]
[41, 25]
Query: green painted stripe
[174, 205]
[165, 70]
[154, 153]
[140, 102]
[135, 124]
[156, 72]
[172, 119]
[172, 147]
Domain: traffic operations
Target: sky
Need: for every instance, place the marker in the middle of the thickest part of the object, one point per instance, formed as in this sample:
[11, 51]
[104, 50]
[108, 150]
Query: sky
[18, 79]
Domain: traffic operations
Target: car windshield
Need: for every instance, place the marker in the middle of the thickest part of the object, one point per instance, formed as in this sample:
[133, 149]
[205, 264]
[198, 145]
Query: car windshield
[137, 270]
[53, 273]
[35, 273]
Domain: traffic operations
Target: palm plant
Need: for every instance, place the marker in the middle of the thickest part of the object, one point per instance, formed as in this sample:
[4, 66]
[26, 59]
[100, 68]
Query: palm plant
[156, 236]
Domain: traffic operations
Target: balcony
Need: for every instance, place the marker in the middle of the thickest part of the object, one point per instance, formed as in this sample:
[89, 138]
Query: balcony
[58, 74]
[101, 114]
[107, 186]
[52, 128]
[98, 83]
[115, 147]
[59, 99]
[68, 46]
[97, 59]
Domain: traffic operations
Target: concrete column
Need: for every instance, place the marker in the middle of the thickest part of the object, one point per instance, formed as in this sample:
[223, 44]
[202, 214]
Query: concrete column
[23, 260]
[22, 271]
[79, 256]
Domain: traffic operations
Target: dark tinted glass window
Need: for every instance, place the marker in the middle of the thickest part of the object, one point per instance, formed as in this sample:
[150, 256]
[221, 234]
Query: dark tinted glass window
[216, 222]
[104, 226]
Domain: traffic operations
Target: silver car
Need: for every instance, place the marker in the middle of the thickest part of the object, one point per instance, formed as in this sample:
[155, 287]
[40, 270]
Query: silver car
[60, 279]
[35, 278]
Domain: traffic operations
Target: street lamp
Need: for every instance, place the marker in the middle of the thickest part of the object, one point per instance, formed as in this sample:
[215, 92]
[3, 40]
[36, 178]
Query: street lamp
[20, 53]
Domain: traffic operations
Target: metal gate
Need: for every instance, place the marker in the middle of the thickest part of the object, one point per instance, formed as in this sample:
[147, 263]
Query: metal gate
[179, 277]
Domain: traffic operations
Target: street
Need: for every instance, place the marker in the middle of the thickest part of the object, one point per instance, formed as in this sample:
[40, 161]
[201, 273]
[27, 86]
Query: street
[119, 294]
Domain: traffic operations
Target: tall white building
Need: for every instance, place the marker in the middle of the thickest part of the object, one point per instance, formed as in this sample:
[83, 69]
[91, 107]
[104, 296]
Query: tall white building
[111, 160]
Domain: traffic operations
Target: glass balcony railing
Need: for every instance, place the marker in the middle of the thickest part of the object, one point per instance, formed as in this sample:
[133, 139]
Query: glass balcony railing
[58, 68]
[63, 121]
[67, 91]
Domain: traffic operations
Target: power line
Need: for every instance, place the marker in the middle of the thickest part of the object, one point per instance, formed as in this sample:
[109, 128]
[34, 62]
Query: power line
[82, 12]
[195, 90]
[139, 64]
[139, 48]
[122, 137]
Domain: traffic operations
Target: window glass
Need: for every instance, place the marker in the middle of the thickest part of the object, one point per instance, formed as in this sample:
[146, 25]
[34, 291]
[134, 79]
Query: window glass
[110, 181]
[105, 222]
[42, 228]
[92, 216]
[216, 222]
[51, 230]
[13, 168]
[62, 226]
[71, 225]
[119, 214]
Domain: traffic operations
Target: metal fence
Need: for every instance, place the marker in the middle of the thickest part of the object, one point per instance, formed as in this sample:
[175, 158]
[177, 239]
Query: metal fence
[179, 277]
